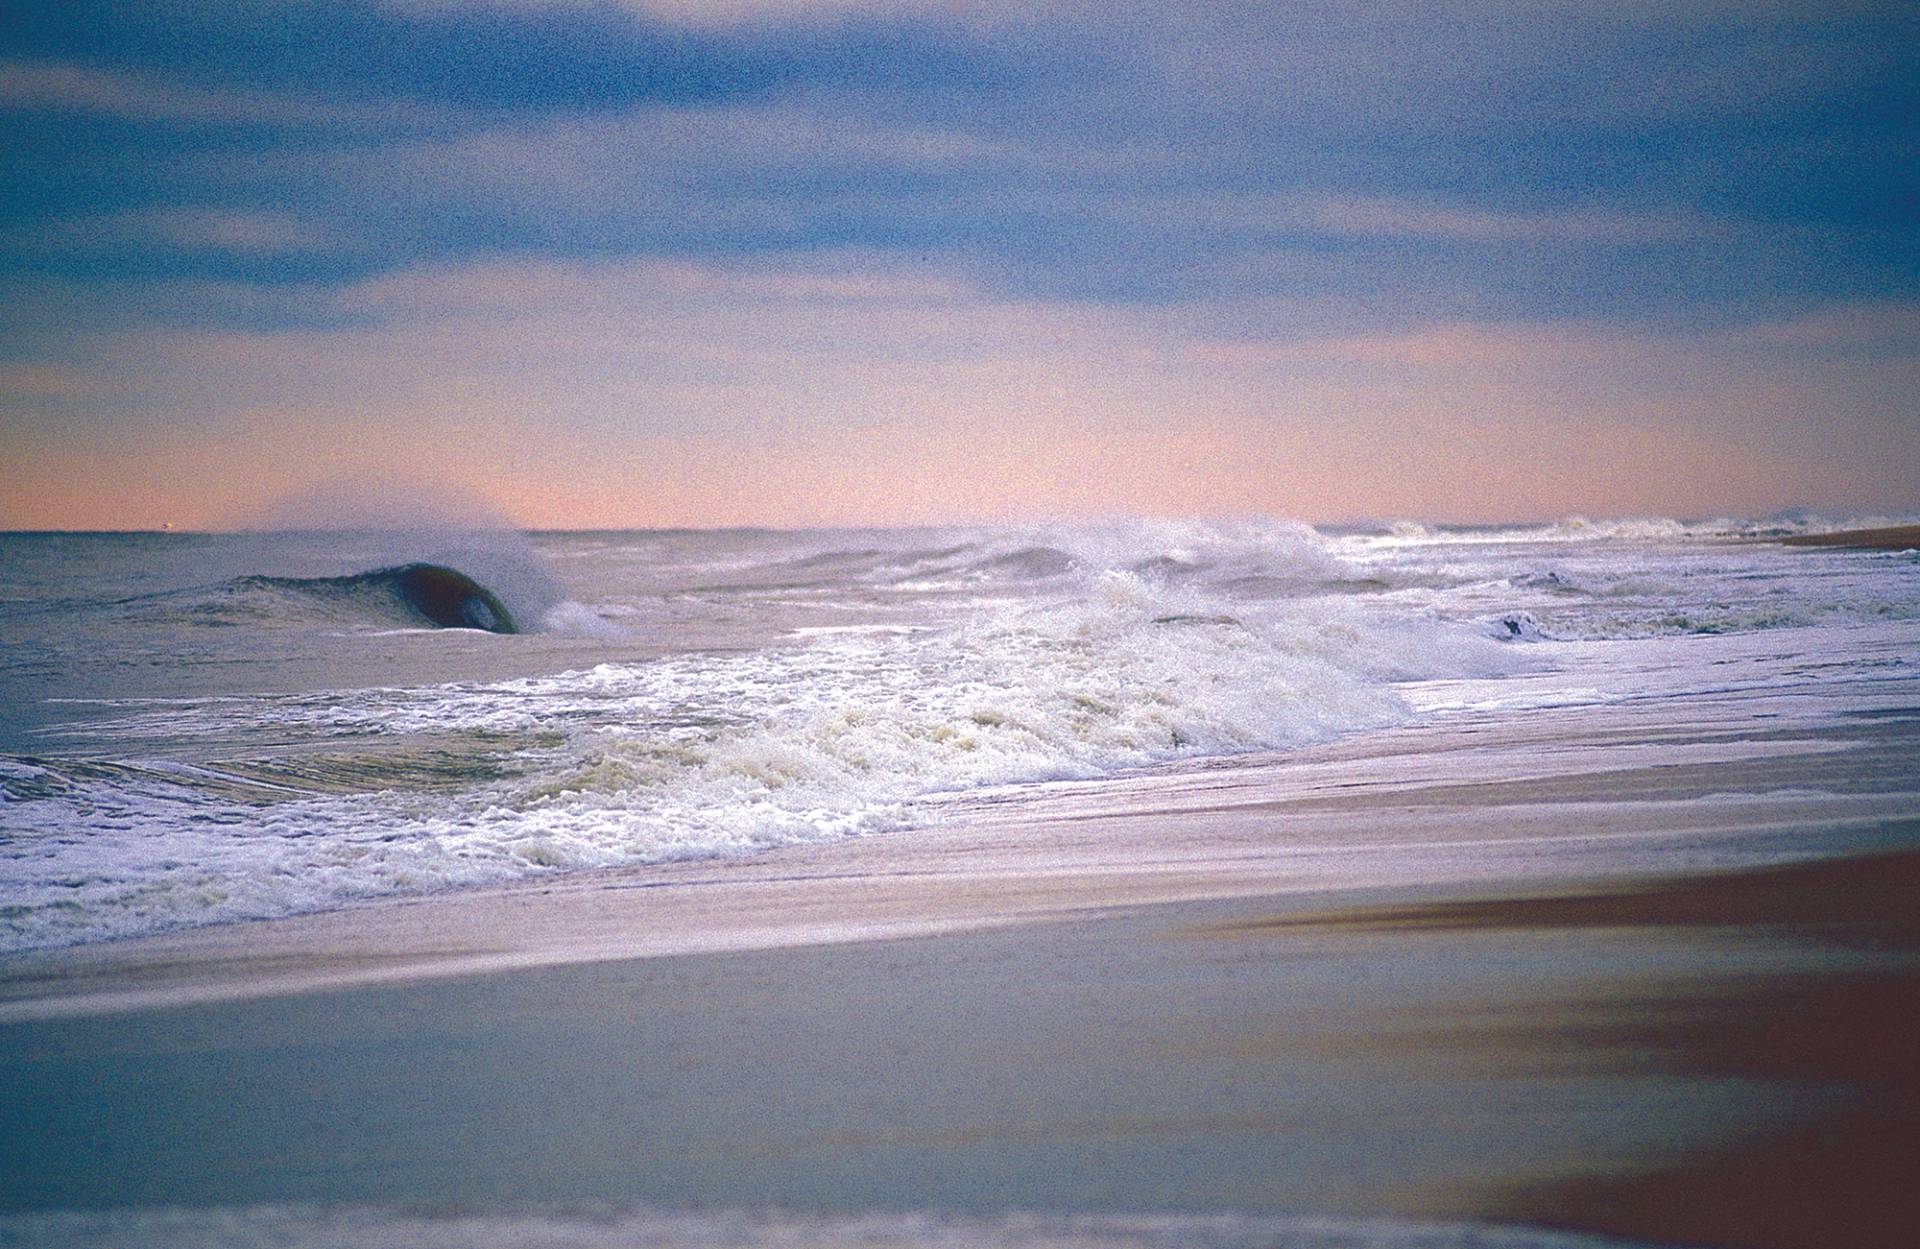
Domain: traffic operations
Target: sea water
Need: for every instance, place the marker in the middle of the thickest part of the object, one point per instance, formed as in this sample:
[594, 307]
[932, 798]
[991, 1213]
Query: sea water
[200, 728]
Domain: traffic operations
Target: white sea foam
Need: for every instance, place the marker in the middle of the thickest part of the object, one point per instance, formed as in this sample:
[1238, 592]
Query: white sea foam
[765, 689]
[568, 616]
[1629, 530]
[684, 756]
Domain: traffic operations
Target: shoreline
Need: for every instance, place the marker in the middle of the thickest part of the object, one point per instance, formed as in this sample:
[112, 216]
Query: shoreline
[1293, 825]
[1890, 538]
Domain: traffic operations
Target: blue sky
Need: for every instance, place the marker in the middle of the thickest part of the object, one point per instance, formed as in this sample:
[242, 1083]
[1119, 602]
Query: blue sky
[1461, 262]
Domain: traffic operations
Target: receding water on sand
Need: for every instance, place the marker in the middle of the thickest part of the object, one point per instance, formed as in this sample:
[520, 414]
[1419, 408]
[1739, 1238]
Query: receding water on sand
[300, 1228]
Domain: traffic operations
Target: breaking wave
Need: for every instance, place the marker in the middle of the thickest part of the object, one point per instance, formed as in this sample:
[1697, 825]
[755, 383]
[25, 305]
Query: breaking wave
[431, 594]
[682, 756]
[1628, 530]
[766, 688]
[416, 594]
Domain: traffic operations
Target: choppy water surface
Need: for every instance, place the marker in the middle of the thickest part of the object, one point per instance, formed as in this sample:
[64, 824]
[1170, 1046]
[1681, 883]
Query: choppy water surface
[197, 728]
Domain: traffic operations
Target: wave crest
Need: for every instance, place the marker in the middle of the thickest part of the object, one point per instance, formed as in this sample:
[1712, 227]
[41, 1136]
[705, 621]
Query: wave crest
[432, 594]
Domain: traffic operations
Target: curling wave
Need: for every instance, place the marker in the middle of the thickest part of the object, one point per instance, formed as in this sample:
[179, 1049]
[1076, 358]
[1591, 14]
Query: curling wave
[432, 594]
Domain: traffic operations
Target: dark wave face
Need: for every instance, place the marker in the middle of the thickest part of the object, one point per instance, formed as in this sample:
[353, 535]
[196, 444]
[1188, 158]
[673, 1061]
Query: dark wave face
[431, 593]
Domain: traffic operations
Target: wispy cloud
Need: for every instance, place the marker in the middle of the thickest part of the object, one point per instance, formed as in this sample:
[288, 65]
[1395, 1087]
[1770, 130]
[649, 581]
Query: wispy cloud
[1870, 326]
[237, 231]
[725, 14]
[47, 381]
[1334, 215]
[1383, 217]
[57, 86]
[260, 232]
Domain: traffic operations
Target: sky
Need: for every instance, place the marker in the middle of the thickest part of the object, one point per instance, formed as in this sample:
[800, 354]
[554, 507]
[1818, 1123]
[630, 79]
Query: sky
[608, 263]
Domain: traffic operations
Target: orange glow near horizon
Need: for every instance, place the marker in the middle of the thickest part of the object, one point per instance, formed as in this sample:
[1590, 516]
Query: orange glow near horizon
[904, 481]
[670, 396]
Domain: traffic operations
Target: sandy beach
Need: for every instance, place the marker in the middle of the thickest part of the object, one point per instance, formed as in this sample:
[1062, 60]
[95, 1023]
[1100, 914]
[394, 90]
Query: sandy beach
[1887, 538]
[1655, 987]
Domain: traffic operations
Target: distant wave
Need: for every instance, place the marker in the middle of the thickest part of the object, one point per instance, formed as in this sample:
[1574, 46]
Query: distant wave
[1261, 556]
[1580, 529]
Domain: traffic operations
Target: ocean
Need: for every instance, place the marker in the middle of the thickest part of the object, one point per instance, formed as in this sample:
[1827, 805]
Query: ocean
[205, 728]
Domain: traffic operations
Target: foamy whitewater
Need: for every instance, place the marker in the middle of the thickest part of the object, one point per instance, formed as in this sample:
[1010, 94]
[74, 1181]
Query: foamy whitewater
[203, 728]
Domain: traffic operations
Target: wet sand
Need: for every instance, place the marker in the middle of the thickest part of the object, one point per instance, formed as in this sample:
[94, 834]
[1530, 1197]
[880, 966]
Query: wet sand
[1891, 538]
[1867, 901]
[1841, 1174]
[1714, 1060]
